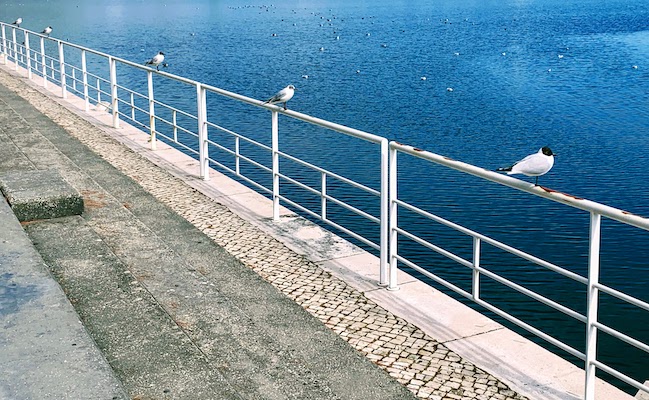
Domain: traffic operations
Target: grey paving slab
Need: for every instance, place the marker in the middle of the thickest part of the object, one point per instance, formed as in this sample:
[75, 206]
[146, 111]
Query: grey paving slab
[46, 353]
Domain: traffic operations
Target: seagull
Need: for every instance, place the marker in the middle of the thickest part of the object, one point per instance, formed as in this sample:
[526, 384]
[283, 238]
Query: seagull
[156, 60]
[536, 164]
[46, 31]
[282, 96]
[17, 22]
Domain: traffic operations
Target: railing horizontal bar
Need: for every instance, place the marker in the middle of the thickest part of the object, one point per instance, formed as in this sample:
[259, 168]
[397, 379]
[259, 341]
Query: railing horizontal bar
[331, 174]
[245, 178]
[616, 293]
[170, 123]
[621, 376]
[181, 112]
[533, 295]
[434, 277]
[621, 336]
[180, 128]
[352, 233]
[494, 309]
[531, 329]
[332, 199]
[435, 248]
[495, 243]
[540, 191]
[362, 213]
[181, 144]
[137, 108]
[253, 162]
[244, 138]
[131, 91]
[296, 115]
[101, 79]
[300, 184]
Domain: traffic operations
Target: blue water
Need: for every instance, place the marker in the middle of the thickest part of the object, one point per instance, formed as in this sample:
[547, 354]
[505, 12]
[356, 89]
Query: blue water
[526, 74]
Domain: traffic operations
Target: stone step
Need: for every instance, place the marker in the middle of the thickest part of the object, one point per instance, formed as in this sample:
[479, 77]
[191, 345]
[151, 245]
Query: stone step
[35, 194]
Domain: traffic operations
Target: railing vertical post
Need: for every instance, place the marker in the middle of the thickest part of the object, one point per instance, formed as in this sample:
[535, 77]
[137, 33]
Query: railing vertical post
[112, 65]
[593, 303]
[64, 93]
[476, 265]
[4, 46]
[29, 57]
[201, 97]
[174, 121]
[152, 131]
[392, 279]
[132, 106]
[237, 153]
[43, 62]
[385, 210]
[74, 79]
[98, 92]
[323, 195]
[275, 161]
[15, 43]
[84, 72]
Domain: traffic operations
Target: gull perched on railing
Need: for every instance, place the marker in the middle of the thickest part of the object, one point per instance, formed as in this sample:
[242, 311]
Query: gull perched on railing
[536, 164]
[17, 22]
[157, 60]
[283, 96]
[47, 31]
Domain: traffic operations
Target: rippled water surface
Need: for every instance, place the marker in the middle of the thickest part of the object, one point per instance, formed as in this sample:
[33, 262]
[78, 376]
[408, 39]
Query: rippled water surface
[572, 75]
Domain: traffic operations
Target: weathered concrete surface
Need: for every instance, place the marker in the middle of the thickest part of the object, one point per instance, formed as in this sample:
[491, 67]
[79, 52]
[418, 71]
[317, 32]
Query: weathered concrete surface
[45, 352]
[38, 194]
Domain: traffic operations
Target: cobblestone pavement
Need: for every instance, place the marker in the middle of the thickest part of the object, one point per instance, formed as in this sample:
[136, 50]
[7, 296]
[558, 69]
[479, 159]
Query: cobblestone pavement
[426, 367]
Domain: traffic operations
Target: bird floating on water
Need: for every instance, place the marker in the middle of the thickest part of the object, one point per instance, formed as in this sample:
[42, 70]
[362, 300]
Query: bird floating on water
[17, 22]
[47, 31]
[536, 164]
[283, 96]
[157, 60]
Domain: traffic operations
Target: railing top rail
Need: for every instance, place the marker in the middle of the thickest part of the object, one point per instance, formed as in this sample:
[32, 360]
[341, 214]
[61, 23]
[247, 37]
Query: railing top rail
[300, 116]
[258, 103]
[541, 191]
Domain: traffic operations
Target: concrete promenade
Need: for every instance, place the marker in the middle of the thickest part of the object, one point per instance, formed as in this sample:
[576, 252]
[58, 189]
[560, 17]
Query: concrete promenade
[183, 298]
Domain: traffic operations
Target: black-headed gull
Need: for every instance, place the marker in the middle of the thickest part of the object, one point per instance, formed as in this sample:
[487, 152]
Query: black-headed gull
[47, 31]
[17, 22]
[536, 164]
[156, 60]
[282, 96]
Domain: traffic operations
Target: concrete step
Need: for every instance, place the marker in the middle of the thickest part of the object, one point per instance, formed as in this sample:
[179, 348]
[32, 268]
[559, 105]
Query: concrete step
[46, 353]
[36, 194]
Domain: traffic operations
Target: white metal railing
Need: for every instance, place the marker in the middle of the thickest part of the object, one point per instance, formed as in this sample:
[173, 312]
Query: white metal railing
[69, 67]
[123, 103]
[594, 287]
